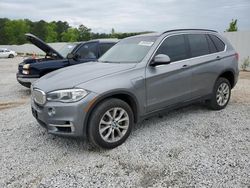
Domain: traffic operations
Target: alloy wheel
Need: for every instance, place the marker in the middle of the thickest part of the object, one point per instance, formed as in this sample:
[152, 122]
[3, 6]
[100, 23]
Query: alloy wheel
[114, 124]
[222, 94]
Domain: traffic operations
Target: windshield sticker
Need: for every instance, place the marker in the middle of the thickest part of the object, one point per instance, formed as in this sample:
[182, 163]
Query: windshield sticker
[146, 43]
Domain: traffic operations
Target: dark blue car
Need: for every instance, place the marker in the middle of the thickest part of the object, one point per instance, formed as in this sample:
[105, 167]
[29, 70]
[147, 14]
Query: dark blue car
[32, 69]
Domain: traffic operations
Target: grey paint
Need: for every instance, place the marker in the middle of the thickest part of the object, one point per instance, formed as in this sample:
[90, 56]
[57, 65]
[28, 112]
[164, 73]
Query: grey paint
[153, 88]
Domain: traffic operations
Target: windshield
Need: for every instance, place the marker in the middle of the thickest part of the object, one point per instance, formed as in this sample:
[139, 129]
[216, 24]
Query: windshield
[66, 49]
[131, 50]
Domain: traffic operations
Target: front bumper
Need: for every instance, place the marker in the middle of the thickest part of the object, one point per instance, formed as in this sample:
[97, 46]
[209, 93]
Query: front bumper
[26, 80]
[68, 119]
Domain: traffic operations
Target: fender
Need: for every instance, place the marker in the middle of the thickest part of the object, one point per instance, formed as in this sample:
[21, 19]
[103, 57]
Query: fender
[105, 96]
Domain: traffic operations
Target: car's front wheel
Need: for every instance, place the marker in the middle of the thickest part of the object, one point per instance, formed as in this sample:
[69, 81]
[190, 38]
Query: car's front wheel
[110, 123]
[221, 94]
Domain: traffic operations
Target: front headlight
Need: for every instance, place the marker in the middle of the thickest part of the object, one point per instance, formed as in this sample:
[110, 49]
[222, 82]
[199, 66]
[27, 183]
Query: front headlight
[66, 95]
[26, 66]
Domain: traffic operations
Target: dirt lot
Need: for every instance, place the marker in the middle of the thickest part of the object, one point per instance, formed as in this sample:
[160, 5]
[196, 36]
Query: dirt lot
[192, 146]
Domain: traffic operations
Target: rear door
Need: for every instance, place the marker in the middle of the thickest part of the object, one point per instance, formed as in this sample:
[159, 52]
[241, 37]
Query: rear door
[204, 65]
[171, 83]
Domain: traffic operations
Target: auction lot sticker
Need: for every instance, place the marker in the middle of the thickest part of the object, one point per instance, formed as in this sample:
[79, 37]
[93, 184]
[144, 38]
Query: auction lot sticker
[146, 43]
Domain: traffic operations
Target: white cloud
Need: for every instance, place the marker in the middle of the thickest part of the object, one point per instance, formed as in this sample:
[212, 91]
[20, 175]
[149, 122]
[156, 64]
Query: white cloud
[133, 15]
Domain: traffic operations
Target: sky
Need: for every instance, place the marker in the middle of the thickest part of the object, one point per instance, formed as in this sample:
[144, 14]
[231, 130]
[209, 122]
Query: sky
[133, 15]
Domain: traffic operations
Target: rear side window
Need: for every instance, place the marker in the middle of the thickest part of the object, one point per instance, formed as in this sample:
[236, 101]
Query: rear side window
[104, 47]
[174, 47]
[211, 45]
[220, 46]
[198, 44]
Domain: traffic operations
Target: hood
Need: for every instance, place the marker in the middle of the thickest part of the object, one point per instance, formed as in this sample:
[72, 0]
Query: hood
[42, 45]
[77, 74]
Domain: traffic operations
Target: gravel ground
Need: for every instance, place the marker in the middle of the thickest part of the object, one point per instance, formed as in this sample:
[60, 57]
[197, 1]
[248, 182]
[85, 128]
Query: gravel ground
[192, 146]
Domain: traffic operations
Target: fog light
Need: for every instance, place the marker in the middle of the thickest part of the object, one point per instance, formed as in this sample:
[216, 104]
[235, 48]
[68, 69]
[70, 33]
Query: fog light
[25, 72]
[51, 111]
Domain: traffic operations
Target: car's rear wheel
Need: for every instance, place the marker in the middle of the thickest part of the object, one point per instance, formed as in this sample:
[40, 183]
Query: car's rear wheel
[11, 56]
[110, 123]
[221, 94]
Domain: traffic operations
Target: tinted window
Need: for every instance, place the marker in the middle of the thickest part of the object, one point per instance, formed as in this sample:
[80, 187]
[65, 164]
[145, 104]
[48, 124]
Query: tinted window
[174, 47]
[104, 47]
[220, 46]
[87, 51]
[198, 44]
[211, 45]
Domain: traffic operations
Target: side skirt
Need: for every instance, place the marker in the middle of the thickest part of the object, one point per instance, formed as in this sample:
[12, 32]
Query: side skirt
[173, 107]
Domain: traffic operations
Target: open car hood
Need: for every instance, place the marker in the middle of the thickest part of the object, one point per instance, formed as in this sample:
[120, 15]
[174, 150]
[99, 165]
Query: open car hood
[43, 46]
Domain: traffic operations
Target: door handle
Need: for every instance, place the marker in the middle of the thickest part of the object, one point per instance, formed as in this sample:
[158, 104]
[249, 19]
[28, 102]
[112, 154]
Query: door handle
[184, 66]
[218, 58]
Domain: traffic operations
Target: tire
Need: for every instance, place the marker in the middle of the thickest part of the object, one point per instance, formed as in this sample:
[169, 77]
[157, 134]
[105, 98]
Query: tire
[102, 123]
[11, 56]
[221, 94]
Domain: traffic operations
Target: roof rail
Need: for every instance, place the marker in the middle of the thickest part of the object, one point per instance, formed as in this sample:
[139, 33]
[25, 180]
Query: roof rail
[188, 30]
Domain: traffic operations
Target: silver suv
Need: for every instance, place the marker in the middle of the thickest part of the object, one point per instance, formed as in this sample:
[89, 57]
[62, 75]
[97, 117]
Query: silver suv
[139, 76]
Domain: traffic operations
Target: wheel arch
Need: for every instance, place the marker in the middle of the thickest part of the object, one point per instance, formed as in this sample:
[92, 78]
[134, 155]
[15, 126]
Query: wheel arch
[126, 96]
[229, 74]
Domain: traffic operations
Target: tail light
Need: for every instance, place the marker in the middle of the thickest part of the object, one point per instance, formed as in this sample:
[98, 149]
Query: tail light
[237, 56]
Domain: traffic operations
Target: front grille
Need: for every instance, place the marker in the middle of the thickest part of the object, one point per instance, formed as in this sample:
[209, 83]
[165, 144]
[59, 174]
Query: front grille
[39, 96]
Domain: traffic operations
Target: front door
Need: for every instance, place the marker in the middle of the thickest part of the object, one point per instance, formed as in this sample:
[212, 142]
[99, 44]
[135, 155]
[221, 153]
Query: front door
[87, 52]
[171, 83]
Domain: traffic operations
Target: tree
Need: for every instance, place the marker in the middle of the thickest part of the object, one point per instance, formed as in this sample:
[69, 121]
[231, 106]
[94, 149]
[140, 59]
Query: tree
[51, 32]
[39, 29]
[60, 28]
[71, 35]
[3, 39]
[15, 30]
[113, 34]
[12, 31]
[233, 26]
[84, 33]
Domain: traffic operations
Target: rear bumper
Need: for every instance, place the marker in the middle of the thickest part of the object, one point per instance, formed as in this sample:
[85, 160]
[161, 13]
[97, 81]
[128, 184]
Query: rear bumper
[26, 80]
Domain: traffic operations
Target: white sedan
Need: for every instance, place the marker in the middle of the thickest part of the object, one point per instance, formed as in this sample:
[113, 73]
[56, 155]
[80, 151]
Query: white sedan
[7, 53]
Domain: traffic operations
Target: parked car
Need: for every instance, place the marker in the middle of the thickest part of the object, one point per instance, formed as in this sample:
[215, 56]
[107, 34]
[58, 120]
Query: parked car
[32, 69]
[6, 53]
[138, 77]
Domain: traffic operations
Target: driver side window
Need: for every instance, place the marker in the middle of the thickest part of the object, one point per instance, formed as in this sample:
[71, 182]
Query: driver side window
[174, 47]
[87, 51]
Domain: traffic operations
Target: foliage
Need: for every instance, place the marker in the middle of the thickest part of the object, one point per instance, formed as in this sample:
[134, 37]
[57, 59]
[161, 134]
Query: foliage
[233, 26]
[245, 64]
[51, 32]
[83, 33]
[12, 31]
[71, 35]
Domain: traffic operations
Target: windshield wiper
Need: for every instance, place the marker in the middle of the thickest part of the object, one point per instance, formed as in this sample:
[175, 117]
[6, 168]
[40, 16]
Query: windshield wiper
[108, 62]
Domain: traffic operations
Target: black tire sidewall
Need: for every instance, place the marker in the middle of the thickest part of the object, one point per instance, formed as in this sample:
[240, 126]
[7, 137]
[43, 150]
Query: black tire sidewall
[213, 103]
[93, 126]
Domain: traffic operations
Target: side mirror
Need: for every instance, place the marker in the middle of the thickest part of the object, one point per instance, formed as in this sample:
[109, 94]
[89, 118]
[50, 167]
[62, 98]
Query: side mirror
[160, 59]
[72, 56]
